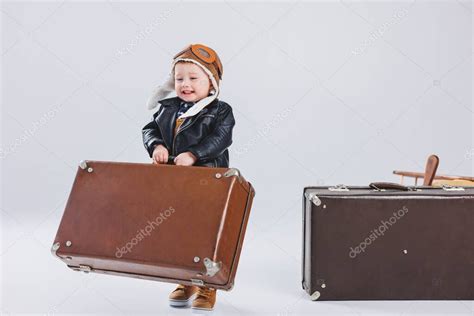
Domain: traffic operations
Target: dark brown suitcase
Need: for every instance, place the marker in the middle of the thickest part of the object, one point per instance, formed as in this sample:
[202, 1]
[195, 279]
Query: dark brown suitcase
[388, 243]
[159, 222]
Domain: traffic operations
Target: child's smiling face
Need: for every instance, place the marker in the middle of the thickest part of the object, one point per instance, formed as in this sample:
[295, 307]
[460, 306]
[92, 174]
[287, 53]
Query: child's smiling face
[191, 82]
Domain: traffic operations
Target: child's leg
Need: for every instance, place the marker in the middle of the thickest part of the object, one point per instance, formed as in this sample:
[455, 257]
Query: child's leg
[181, 295]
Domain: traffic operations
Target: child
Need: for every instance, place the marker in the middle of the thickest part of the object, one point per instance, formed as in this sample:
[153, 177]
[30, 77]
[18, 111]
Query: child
[195, 128]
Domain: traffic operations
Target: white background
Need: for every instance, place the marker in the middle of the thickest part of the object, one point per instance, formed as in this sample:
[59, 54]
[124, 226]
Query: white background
[323, 93]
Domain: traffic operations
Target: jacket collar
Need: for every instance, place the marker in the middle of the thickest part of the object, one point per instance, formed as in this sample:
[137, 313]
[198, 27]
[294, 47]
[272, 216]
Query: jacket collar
[176, 101]
[199, 107]
[170, 101]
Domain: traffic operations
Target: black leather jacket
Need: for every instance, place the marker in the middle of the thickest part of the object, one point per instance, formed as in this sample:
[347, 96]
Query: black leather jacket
[207, 135]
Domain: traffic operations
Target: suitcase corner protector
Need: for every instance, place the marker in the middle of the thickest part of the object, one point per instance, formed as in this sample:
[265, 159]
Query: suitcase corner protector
[315, 296]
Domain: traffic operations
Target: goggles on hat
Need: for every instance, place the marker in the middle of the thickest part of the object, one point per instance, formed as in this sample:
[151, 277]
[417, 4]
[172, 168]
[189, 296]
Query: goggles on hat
[205, 54]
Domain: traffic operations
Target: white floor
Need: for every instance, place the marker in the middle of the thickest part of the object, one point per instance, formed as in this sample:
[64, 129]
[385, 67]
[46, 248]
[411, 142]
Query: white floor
[268, 279]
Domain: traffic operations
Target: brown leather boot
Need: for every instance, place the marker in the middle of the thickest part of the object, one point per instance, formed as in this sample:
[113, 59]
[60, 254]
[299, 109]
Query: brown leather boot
[181, 295]
[205, 299]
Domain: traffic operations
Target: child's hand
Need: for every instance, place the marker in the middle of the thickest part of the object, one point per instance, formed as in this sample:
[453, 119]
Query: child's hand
[185, 159]
[160, 154]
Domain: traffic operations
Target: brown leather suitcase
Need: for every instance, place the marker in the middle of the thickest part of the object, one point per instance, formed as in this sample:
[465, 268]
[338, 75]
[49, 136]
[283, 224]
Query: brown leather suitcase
[388, 242]
[159, 222]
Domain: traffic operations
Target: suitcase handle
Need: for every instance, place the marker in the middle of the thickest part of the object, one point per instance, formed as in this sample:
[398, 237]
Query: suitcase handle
[379, 186]
[171, 160]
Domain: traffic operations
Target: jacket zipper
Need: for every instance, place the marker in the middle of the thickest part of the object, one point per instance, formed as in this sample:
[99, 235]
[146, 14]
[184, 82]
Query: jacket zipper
[182, 129]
